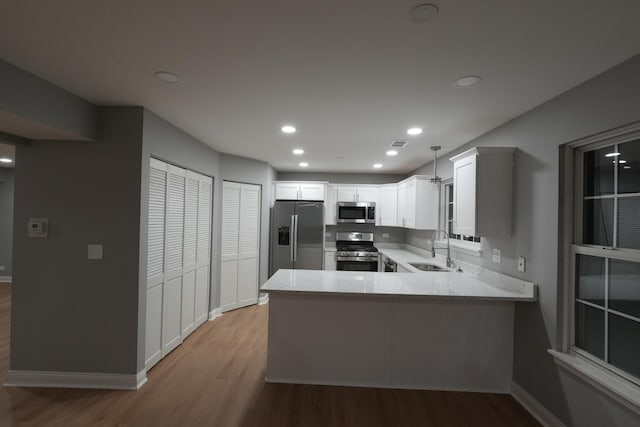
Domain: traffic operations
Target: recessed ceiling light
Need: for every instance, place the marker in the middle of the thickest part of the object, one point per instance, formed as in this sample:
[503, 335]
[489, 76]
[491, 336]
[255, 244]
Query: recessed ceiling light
[377, 165]
[5, 160]
[288, 129]
[468, 81]
[414, 131]
[298, 151]
[627, 167]
[392, 153]
[423, 13]
[167, 77]
[304, 164]
[622, 161]
[611, 154]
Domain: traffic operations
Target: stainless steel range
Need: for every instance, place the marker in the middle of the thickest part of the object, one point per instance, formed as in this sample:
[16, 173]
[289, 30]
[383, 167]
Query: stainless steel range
[355, 252]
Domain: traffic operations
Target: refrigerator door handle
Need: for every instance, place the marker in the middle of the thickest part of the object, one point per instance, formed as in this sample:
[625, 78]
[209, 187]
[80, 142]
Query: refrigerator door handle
[295, 238]
[292, 241]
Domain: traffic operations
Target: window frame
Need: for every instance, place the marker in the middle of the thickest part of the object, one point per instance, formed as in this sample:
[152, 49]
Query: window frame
[570, 231]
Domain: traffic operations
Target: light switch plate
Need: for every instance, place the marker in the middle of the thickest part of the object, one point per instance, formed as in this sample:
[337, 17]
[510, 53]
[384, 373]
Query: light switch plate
[94, 251]
[1, 267]
[521, 263]
[385, 235]
[497, 255]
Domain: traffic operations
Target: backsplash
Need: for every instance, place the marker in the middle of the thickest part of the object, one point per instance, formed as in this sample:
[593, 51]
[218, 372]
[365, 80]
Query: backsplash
[380, 234]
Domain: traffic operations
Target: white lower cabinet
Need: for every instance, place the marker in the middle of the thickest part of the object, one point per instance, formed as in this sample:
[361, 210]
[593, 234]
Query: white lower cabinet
[178, 246]
[240, 245]
[330, 262]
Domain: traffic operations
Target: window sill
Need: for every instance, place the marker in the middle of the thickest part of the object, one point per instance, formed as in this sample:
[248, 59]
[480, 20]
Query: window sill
[467, 248]
[619, 389]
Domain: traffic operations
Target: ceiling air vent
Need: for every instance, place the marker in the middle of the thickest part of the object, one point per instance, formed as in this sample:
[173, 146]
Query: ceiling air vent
[399, 144]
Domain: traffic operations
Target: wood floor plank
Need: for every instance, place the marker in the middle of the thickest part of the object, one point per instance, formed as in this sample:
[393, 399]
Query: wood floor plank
[216, 378]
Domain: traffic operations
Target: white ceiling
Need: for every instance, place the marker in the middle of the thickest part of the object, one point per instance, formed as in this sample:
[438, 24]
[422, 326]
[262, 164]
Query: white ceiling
[351, 75]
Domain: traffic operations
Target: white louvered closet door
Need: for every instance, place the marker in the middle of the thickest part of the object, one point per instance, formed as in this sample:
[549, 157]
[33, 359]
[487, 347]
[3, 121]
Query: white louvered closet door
[203, 255]
[172, 290]
[240, 245]
[189, 253]
[249, 261]
[230, 248]
[155, 261]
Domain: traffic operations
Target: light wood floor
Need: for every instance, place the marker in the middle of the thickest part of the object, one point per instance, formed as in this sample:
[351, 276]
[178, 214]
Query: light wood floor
[216, 378]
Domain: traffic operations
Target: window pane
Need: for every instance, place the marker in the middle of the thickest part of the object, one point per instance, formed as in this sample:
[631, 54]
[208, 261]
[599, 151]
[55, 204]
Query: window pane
[624, 287]
[598, 172]
[590, 279]
[624, 344]
[590, 329]
[629, 167]
[598, 222]
[629, 222]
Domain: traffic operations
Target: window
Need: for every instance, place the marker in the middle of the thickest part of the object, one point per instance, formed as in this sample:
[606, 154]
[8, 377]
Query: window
[604, 265]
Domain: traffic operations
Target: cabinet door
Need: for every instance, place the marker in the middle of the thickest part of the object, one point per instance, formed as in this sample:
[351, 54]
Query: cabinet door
[330, 260]
[287, 191]
[387, 207]
[402, 204]
[464, 196]
[410, 209]
[189, 253]
[312, 192]
[201, 309]
[367, 193]
[347, 193]
[331, 195]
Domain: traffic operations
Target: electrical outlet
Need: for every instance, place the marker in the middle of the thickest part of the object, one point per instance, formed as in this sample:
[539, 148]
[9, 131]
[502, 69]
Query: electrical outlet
[521, 263]
[94, 251]
[385, 235]
[497, 255]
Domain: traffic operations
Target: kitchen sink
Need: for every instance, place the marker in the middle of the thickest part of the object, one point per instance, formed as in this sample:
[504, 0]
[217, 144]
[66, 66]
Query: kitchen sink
[423, 266]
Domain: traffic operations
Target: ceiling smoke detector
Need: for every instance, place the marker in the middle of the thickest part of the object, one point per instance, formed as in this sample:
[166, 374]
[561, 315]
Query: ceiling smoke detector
[423, 13]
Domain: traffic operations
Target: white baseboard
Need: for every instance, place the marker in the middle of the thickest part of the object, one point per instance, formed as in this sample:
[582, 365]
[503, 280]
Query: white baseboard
[535, 408]
[91, 380]
[5, 279]
[215, 313]
[263, 299]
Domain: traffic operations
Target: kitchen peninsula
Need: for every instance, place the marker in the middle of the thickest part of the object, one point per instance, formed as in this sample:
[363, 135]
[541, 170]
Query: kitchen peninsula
[425, 330]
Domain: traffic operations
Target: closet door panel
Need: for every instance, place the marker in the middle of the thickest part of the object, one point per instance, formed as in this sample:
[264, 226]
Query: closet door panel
[156, 222]
[188, 303]
[202, 295]
[175, 222]
[248, 281]
[171, 315]
[153, 339]
[228, 285]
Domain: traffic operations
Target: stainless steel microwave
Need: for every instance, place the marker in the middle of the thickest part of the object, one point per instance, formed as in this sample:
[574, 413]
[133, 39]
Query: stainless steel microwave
[356, 212]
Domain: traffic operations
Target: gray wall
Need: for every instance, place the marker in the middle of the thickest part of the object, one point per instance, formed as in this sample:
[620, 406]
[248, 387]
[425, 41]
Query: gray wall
[166, 142]
[249, 171]
[46, 106]
[6, 220]
[341, 178]
[605, 102]
[70, 313]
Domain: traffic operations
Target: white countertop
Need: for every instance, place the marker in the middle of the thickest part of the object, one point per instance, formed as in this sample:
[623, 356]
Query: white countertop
[426, 284]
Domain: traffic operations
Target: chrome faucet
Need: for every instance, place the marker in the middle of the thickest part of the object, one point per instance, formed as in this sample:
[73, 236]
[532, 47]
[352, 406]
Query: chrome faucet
[433, 246]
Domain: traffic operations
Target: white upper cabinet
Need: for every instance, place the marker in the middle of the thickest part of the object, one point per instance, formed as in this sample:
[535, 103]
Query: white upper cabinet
[299, 190]
[482, 185]
[387, 207]
[418, 202]
[358, 193]
[331, 195]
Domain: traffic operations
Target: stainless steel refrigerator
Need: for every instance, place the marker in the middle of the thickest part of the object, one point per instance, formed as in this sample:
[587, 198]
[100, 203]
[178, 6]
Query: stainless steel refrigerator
[297, 233]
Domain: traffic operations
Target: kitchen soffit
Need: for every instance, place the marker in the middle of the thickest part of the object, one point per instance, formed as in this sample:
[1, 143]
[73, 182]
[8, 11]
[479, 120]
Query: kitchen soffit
[351, 76]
